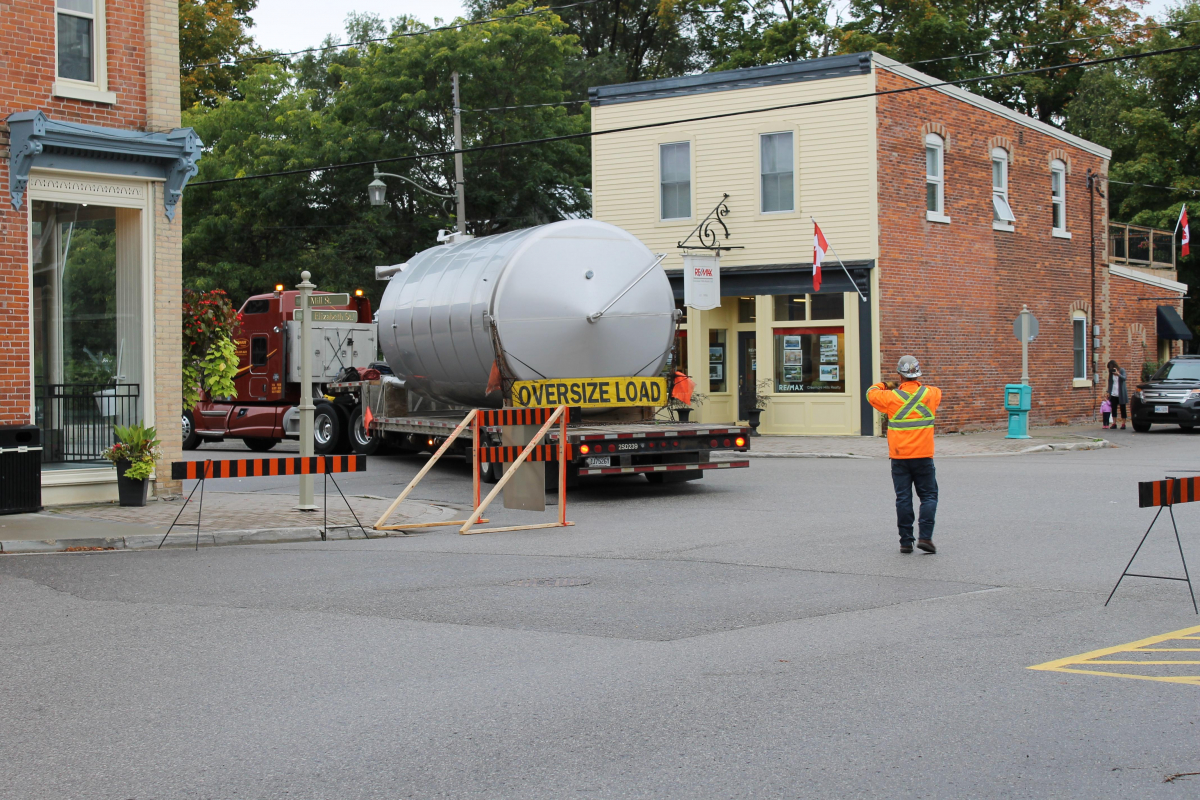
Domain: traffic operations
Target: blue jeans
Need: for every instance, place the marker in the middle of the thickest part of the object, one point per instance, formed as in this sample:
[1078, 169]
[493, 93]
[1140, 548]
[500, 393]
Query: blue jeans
[907, 473]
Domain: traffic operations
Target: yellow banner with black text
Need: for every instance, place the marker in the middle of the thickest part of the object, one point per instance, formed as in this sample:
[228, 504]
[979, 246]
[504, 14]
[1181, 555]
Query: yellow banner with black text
[590, 392]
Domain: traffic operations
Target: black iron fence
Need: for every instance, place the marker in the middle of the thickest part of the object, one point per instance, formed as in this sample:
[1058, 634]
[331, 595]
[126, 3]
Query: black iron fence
[77, 419]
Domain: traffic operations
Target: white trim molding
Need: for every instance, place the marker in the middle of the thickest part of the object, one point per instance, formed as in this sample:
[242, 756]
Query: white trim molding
[1152, 280]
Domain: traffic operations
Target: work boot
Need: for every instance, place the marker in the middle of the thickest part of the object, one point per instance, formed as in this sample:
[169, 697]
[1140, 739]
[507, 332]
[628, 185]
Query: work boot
[926, 545]
[906, 548]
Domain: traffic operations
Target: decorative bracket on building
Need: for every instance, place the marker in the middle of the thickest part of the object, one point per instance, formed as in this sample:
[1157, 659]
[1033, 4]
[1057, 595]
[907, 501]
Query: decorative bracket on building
[706, 235]
[37, 140]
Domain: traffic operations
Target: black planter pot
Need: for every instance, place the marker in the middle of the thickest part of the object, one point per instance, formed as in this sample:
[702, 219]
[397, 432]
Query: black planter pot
[752, 416]
[684, 414]
[131, 491]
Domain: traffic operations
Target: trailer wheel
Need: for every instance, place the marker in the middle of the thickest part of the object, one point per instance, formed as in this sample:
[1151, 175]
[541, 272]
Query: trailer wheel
[360, 438]
[260, 444]
[327, 429]
[490, 473]
[191, 439]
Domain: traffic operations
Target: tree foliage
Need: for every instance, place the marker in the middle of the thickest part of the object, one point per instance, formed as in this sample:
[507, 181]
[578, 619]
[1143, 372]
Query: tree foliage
[212, 34]
[371, 103]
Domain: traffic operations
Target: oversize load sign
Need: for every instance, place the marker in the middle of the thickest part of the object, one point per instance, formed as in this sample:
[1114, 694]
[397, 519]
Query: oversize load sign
[317, 300]
[590, 392]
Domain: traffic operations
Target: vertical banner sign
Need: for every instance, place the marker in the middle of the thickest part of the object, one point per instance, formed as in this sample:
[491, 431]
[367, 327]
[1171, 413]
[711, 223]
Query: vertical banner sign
[702, 281]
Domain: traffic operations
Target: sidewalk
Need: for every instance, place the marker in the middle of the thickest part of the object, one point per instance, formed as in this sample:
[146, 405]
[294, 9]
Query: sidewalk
[951, 445]
[227, 518]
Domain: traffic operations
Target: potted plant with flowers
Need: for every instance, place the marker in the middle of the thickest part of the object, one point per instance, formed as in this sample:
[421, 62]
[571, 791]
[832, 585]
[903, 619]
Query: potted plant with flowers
[134, 454]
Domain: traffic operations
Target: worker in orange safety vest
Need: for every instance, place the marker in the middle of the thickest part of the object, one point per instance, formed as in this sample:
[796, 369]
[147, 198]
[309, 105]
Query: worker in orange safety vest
[911, 408]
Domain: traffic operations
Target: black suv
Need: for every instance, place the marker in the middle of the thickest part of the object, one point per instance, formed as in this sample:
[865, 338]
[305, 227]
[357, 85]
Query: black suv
[1172, 396]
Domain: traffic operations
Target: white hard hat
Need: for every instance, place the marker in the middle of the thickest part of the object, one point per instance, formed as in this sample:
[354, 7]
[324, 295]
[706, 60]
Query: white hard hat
[909, 367]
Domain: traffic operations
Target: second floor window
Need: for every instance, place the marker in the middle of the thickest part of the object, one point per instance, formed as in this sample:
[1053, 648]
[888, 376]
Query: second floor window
[675, 176]
[1002, 216]
[77, 40]
[1058, 195]
[777, 172]
[935, 186]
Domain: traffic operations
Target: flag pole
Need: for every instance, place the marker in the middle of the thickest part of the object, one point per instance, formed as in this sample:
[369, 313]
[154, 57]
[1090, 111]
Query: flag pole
[839, 258]
[1179, 219]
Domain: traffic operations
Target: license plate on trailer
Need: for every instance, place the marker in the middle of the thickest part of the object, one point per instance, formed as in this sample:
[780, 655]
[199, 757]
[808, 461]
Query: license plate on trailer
[1160, 409]
[599, 461]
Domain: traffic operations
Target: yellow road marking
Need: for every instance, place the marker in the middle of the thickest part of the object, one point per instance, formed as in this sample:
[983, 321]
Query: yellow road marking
[1073, 663]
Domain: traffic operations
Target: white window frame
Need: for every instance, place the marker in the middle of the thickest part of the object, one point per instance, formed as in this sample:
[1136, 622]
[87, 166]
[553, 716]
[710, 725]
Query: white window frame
[1079, 323]
[95, 90]
[762, 174]
[1059, 202]
[935, 142]
[1002, 215]
[690, 181]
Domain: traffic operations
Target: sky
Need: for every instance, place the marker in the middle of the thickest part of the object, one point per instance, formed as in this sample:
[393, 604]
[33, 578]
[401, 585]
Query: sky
[288, 25]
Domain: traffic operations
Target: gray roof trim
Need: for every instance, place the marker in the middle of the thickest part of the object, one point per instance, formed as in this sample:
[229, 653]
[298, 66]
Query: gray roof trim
[748, 78]
[958, 93]
[37, 140]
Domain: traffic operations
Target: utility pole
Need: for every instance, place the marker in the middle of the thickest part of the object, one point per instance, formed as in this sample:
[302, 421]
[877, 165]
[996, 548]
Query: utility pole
[1093, 190]
[459, 190]
[306, 397]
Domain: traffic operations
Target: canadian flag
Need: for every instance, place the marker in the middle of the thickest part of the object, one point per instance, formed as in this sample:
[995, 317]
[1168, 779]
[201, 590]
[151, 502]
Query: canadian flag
[820, 247]
[1184, 224]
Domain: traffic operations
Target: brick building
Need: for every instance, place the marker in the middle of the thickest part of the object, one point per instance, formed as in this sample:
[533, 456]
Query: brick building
[949, 211]
[94, 163]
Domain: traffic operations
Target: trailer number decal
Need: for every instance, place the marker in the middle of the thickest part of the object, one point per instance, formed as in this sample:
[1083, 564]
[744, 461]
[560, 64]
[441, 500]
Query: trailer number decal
[590, 392]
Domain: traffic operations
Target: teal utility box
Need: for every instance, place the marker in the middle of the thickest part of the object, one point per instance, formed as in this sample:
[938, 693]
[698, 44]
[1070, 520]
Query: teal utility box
[1018, 399]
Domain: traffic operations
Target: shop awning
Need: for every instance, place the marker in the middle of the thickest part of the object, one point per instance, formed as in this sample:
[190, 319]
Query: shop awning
[1171, 326]
[785, 279]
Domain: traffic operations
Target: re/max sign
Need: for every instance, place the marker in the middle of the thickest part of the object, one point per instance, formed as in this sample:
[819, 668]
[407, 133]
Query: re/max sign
[590, 392]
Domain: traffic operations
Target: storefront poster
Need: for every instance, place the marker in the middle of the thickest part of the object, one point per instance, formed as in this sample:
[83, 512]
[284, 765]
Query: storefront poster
[830, 373]
[793, 374]
[716, 372]
[829, 349]
[791, 342]
[716, 355]
[792, 358]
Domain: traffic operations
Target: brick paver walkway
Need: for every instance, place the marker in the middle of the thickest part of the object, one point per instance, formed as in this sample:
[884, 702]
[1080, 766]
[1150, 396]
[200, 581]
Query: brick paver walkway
[234, 511]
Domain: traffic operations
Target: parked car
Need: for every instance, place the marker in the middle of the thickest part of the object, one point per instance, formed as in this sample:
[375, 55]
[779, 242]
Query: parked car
[1171, 397]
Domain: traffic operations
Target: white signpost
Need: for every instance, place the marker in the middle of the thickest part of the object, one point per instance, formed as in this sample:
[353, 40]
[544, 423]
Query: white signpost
[306, 398]
[702, 281]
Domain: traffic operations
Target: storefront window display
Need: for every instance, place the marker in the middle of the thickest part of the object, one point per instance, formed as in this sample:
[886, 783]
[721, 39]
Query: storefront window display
[810, 360]
[717, 361]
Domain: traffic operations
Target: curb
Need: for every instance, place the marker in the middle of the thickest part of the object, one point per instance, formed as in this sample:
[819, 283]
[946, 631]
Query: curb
[188, 540]
[1041, 448]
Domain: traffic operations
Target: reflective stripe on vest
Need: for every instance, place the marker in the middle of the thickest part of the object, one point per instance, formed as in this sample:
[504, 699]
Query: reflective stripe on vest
[912, 403]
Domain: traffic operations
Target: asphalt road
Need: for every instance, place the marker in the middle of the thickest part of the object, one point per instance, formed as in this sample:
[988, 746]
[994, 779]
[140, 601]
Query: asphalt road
[754, 634]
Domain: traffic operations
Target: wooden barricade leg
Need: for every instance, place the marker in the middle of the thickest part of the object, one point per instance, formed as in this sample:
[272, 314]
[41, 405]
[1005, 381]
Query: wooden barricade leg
[562, 469]
[560, 412]
[379, 526]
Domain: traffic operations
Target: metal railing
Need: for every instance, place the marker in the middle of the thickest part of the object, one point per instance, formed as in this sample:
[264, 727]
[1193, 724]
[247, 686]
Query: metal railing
[77, 419]
[1135, 244]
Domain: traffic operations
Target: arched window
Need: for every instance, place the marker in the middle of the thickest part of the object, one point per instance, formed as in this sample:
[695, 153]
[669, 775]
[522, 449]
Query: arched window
[1079, 343]
[1058, 198]
[935, 180]
[1002, 215]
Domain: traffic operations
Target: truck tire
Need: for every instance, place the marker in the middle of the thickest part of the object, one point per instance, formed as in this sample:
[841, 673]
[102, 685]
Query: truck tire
[490, 473]
[1141, 427]
[260, 444]
[328, 430]
[361, 439]
[191, 440]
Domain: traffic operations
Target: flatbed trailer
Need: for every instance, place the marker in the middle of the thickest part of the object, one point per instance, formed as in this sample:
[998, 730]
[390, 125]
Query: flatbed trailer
[662, 450]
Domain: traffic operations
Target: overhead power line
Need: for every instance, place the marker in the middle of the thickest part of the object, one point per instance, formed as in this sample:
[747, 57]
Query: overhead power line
[1153, 186]
[723, 115]
[1019, 47]
[391, 36]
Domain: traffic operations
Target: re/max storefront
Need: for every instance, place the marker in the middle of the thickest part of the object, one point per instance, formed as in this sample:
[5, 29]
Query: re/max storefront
[805, 357]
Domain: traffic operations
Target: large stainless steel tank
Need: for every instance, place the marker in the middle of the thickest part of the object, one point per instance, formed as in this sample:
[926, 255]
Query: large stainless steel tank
[537, 286]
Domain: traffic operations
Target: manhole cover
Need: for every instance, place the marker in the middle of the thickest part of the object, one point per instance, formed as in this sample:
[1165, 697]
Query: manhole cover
[550, 582]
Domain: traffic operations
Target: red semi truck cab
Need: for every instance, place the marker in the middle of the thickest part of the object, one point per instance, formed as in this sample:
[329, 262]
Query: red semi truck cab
[264, 412]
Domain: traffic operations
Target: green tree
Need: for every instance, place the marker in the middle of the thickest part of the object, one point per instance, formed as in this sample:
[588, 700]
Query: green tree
[212, 35]
[383, 100]
[746, 33]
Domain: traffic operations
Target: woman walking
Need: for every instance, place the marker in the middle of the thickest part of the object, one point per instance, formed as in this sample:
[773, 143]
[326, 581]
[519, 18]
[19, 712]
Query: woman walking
[1118, 395]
